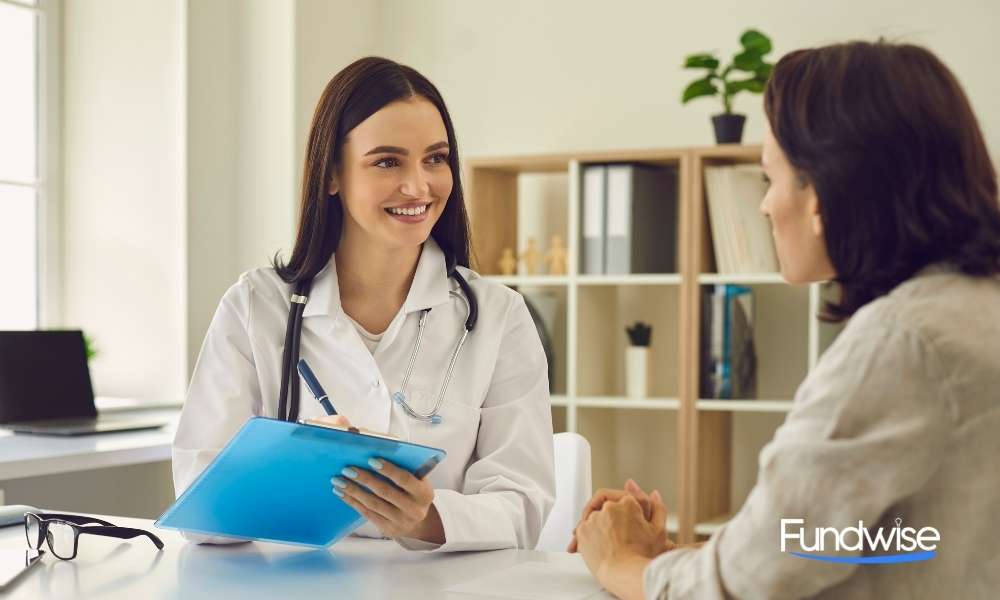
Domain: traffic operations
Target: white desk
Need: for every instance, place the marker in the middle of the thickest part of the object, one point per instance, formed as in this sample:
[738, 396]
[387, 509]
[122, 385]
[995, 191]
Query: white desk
[28, 455]
[353, 568]
[43, 470]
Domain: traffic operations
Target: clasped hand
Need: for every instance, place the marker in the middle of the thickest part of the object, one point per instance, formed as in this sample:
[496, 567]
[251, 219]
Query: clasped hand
[620, 532]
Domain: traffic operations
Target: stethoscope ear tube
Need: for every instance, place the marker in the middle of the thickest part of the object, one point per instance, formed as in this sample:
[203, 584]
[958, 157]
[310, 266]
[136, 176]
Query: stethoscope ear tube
[290, 353]
[470, 322]
[452, 266]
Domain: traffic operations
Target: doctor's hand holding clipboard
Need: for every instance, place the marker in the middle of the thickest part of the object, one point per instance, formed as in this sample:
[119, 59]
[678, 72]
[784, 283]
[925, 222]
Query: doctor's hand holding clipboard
[378, 296]
[394, 500]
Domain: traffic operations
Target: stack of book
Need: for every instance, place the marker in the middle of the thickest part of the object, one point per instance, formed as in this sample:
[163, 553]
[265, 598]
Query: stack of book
[628, 219]
[741, 235]
[728, 357]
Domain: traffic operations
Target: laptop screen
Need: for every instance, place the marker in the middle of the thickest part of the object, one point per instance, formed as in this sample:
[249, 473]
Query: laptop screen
[44, 375]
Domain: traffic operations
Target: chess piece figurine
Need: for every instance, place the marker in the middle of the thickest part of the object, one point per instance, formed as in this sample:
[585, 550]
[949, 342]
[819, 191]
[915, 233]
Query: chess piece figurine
[555, 258]
[530, 257]
[508, 262]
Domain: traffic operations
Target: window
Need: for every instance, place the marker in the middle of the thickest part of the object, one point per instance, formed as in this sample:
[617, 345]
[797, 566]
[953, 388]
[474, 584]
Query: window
[22, 181]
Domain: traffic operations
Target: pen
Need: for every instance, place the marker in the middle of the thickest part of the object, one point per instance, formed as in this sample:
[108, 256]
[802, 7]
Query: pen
[315, 387]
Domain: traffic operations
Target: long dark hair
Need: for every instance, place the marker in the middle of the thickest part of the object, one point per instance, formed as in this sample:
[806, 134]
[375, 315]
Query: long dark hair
[888, 139]
[353, 95]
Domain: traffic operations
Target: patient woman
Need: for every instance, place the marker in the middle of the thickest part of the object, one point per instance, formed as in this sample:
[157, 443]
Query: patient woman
[880, 182]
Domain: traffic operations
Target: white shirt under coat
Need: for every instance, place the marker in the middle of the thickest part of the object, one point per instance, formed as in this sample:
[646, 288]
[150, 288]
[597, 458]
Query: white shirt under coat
[496, 486]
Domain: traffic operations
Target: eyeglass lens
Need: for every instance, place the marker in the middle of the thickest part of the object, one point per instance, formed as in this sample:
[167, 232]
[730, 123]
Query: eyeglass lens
[61, 538]
[31, 526]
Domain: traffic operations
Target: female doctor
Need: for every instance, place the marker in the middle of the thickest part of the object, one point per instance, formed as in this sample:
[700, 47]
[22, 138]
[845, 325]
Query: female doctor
[381, 264]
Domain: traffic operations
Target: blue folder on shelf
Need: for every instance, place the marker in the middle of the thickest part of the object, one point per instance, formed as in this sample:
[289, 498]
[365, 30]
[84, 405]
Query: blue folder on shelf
[272, 483]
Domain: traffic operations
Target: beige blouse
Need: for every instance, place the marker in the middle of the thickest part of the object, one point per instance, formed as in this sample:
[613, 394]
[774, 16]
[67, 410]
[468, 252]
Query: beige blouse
[899, 420]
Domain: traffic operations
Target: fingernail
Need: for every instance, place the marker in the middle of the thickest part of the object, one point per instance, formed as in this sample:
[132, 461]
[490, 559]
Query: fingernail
[337, 481]
[338, 492]
[376, 464]
[349, 472]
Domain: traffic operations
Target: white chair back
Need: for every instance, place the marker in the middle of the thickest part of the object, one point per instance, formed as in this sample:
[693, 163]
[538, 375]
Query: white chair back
[573, 489]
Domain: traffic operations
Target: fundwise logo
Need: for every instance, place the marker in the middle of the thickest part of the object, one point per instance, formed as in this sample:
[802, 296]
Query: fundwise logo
[896, 545]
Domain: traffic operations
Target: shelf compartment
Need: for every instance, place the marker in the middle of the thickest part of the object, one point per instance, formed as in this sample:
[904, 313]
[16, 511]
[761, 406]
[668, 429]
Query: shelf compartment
[510, 204]
[617, 453]
[560, 419]
[603, 312]
[781, 338]
[551, 304]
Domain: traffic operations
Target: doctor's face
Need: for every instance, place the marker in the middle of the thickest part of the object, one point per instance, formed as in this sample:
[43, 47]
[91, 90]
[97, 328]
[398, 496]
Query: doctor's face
[394, 178]
[792, 206]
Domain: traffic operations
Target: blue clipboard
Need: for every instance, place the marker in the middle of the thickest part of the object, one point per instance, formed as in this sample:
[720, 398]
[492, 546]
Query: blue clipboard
[272, 483]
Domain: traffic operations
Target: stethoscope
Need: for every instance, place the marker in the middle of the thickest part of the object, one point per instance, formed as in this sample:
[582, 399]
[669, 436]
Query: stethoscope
[289, 395]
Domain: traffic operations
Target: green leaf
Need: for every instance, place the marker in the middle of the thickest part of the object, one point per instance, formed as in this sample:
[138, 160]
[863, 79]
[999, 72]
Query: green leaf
[701, 61]
[89, 347]
[755, 41]
[753, 84]
[765, 70]
[699, 88]
[748, 61]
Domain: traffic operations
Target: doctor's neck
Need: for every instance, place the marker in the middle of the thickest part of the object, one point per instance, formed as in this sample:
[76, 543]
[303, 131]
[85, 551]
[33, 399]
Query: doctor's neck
[374, 274]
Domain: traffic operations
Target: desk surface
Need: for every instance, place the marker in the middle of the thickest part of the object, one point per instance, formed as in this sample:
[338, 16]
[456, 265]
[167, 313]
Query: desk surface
[353, 568]
[26, 455]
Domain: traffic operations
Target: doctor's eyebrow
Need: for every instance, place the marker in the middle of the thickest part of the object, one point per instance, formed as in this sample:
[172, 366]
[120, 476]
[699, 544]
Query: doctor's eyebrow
[404, 151]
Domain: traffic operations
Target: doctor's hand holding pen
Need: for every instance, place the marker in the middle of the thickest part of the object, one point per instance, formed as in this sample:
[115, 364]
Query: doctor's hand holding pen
[392, 498]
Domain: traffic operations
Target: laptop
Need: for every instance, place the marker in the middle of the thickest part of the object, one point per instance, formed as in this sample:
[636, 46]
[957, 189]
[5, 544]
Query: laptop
[45, 387]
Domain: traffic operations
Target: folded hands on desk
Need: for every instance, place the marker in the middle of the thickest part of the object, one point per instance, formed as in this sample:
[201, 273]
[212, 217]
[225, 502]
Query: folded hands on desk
[619, 534]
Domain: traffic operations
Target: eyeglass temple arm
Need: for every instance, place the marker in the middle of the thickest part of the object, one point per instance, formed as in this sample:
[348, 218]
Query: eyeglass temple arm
[78, 519]
[124, 533]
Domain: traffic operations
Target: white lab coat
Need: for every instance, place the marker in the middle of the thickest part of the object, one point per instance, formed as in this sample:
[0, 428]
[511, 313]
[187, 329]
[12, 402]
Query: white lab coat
[496, 486]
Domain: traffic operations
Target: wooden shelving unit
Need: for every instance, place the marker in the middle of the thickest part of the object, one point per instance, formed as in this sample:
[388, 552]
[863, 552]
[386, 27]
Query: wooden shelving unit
[700, 453]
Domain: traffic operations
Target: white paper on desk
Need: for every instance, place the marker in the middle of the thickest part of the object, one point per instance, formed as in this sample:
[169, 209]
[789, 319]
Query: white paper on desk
[535, 581]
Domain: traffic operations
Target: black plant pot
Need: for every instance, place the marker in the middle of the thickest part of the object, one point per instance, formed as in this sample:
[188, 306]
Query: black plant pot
[728, 128]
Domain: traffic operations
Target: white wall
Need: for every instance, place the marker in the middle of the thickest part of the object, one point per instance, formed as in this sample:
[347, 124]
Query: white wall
[524, 76]
[329, 35]
[266, 184]
[212, 132]
[124, 212]
[240, 141]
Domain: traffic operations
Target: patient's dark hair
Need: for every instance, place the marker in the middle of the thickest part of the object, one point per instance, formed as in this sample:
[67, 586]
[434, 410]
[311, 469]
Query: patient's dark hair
[357, 92]
[888, 139]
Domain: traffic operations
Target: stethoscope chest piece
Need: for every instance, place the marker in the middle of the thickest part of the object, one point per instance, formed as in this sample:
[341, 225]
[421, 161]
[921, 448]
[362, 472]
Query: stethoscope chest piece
[400, 399]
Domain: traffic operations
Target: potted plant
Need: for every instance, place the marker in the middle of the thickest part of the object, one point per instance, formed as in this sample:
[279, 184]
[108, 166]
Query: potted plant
[748, 71]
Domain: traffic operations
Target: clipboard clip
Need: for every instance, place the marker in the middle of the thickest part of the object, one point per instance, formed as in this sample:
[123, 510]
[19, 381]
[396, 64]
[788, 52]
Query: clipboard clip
[352, 429]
